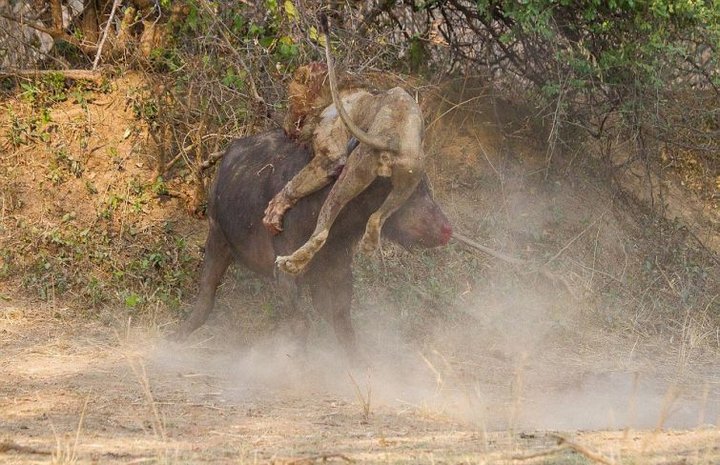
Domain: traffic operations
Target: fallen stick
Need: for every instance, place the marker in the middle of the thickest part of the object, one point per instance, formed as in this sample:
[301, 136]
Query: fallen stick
[211, 159]
[542, 453]
[316, 458]
[579, 448]
[542, 270]
[9, 446]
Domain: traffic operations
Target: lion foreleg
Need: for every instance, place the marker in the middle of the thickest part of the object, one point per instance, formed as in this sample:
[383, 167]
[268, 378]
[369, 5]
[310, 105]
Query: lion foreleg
[313, 177]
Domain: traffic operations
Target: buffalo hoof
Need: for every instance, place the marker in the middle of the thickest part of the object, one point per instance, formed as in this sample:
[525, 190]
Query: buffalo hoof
[185, 329]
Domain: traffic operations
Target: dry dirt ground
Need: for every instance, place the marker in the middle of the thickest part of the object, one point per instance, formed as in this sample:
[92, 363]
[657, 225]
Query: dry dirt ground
[77, 391]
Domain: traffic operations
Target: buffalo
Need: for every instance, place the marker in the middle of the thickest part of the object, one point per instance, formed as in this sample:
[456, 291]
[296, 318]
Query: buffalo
[252, 171]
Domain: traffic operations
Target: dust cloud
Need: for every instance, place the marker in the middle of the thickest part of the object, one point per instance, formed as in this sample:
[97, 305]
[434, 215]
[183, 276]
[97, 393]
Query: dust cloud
[515, 363]
[518, 351]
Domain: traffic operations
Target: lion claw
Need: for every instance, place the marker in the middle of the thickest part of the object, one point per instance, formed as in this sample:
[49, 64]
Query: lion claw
[272, 226]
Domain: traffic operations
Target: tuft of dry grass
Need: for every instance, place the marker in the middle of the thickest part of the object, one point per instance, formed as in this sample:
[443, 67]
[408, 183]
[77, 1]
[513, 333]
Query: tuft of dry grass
[364, 399]
[66, 452]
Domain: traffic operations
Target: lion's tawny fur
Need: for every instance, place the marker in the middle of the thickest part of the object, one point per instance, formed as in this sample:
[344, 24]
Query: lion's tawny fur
[309, 94]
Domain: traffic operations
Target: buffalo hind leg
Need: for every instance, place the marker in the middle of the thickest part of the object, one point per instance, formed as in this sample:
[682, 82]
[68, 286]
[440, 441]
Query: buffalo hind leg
[358, 174]
[294, 319]
[404, 183]
[331, 290]
[216, 261]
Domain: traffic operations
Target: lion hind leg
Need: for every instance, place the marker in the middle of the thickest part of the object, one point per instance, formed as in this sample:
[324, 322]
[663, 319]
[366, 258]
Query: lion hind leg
[353, 180]
[404, 184]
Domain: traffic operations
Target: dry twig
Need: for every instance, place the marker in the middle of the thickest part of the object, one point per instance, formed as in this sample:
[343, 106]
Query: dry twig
[318, 458]
[542, 453]
[542, 270]
[9, 446]
[579, 448]
[105, 33]
[577, 236]
[212, 159]
[183, 151]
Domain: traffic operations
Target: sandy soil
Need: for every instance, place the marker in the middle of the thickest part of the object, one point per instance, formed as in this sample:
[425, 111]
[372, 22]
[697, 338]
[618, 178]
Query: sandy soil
[82, 392]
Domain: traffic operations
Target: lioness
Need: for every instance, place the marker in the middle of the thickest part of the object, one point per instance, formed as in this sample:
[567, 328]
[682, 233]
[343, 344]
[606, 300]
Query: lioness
[389, 146]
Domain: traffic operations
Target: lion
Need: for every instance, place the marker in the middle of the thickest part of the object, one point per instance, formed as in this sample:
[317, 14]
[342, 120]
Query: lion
[389, 146]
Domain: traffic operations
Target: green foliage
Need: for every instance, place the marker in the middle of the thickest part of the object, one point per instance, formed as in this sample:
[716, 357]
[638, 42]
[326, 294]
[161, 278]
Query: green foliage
[102, 265]
[24, 130]
[132, 299]
[66, 162]
[159, 187]
[7, 265]
[42, 95]
[144, 107]
[233, 79]
[48, 90]
[622, 47]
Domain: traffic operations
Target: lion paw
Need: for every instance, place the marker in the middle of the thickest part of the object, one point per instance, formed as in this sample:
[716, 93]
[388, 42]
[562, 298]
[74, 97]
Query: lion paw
[296, 263]
[275, 212]
[290, 265]
[369, 243]
[273, 223]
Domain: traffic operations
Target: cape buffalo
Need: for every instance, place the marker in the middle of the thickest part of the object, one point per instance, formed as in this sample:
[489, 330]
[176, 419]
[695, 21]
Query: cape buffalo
[252, 170]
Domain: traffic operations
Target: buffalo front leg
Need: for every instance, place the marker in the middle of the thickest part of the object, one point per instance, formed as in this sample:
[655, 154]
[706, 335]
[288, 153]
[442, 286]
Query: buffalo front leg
[404, 183]
[353, 180]
[313, 177]
[217, 259]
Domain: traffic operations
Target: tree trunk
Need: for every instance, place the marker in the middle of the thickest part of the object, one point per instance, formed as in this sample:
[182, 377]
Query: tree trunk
[89, 23]
[57, 16]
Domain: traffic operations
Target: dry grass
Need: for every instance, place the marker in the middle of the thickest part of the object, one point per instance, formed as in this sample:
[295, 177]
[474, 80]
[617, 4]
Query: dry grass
[364, 398]
[66, 452]
[167, 415]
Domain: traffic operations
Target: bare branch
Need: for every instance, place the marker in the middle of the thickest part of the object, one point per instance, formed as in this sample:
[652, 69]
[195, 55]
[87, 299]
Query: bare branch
[57, 16]
[105, 33]
[226, 35]
[579, 448]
